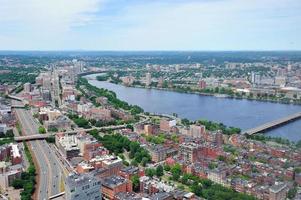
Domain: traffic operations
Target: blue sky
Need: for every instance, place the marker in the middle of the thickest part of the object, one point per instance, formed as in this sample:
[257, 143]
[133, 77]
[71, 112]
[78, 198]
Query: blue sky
[150, 25]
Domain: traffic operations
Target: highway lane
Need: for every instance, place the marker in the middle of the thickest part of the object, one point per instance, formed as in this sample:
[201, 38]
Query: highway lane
[50, 167]
[26, 130]
[54, 167]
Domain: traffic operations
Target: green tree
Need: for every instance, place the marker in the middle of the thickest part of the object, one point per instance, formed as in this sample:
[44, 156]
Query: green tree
[292, 193]
[136, 183]
[42, 130]
[167, 168]
[150, 172]
[176, 171]
[159, 171]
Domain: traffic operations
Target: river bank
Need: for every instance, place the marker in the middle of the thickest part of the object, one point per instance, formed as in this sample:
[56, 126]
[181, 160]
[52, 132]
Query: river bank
[241, 113]
[218, 95]
[214, 94]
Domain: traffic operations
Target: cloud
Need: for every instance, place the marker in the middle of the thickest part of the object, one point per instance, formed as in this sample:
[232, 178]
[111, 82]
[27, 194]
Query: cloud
[150, 24]
[208, 25]
[46, 16]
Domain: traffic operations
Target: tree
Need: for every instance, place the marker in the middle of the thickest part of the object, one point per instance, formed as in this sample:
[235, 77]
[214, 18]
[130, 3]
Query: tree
[144, 161]
[53, 129]
[292, 193]
[135, 182]
[134, 162]
[159, 171]
[126, 163]
[150, 172]
[176, 171]
[42, 130]
[18, 183]
[167, 168]
[185, 122]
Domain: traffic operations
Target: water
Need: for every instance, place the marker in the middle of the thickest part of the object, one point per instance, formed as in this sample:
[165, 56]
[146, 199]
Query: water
[244, 114]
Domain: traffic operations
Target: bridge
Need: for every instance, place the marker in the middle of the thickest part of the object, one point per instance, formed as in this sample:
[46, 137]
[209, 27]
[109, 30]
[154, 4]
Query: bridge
[17, 106]
[15, 97]
[47, 135]
[273, 124]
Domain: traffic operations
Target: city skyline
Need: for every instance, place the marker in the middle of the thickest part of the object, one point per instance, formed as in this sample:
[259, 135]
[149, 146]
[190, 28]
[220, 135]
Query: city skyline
[150, 25]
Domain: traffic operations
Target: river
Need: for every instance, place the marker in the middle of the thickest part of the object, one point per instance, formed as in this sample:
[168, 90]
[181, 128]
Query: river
[240, 113]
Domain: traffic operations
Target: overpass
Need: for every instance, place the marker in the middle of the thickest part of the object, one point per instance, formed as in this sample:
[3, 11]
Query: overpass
[47, 135]
[273, 124]
[15, 97]
[17, 106]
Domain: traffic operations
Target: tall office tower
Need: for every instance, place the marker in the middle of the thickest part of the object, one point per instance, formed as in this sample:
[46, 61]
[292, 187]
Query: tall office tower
[148, 79]
[27, 87]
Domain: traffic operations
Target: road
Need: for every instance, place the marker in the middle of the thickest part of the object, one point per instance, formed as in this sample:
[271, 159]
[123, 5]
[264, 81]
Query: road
[51, 170]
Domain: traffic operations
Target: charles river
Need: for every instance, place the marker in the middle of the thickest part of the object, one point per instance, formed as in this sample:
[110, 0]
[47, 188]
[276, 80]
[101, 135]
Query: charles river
[244, 114]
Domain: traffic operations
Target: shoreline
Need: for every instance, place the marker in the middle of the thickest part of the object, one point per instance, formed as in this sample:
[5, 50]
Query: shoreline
[164, 89]
[202, 93]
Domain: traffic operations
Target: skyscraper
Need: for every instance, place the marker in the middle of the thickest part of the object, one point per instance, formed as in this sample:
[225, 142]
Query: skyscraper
[148, 79]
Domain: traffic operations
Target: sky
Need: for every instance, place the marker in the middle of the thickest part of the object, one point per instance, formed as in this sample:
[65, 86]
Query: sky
[188, 25]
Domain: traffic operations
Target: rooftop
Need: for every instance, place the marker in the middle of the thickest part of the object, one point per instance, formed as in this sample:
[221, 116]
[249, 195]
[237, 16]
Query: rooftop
[113, 181]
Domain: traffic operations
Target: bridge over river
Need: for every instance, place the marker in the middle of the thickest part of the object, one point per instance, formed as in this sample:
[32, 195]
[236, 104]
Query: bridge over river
[273, 124]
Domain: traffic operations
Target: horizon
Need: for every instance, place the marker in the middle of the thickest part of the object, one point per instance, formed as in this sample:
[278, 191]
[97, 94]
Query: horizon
[75, 50]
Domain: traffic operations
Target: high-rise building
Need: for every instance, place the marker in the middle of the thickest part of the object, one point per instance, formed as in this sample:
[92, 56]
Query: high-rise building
[197, 131]
[47, 83]
[148, 79]
[177, 68]
[160, 82]
[82, 186]
[202, 84]
[27, 87]
[255, 78]
[280, 80]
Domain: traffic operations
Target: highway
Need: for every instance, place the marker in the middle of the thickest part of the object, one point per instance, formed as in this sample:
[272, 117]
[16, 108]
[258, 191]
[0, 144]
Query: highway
[50, 169]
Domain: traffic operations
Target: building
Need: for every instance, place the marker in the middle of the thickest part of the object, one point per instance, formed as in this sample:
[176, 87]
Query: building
[102, 114]
[280, 81]
[8, 173]
[298, 178]
[82, 186]
[52, 114]
[148, 129]
[67, 144]
[129, 172]
[218, 176]
[148, 79]
[166, 124]
[278, 191]
[154, 186]
[255, 78]
[113, 185]
[127, 80]
[15, 155]
[160, 82]
[197, 131]
[3, 129]
[158, 153]
[189, 152]
[84, 167]
[202, 84]
[111, 164]
[27, 87]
